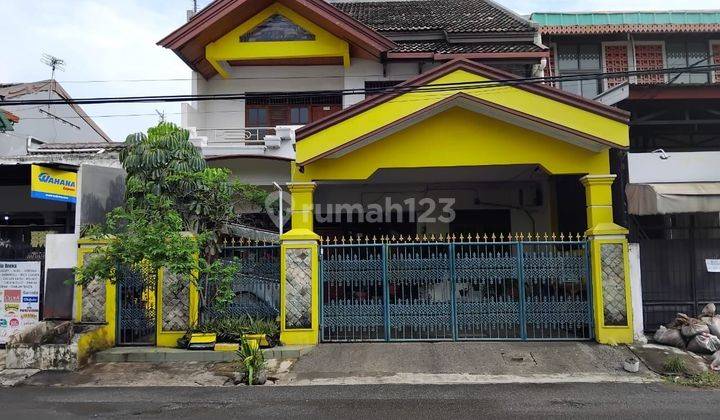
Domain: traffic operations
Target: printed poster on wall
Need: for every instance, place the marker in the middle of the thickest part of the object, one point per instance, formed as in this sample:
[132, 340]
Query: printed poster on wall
[19, 296]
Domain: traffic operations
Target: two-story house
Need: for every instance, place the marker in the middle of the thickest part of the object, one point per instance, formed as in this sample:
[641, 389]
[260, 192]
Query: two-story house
[412, 127]
[668, 188]
[344, 52]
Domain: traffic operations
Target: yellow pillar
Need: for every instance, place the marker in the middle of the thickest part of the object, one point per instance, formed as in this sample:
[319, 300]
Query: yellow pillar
[609, 264]
[299, 276]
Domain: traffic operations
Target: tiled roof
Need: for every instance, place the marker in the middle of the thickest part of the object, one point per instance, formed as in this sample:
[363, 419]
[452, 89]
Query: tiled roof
[17, 90]
[628, 22]
[678, 17]
[451, 16]
[444, 47]
[79, 147]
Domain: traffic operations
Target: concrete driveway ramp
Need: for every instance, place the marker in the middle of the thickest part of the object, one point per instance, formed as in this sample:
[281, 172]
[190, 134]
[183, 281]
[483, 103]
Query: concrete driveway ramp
[464, 362]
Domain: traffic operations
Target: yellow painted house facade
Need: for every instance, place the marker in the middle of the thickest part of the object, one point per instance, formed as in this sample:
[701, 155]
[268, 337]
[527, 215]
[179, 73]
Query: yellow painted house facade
[450, 119]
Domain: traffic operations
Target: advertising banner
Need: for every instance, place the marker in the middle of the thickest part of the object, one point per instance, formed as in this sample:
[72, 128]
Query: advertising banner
[53, 184]
[19, 296]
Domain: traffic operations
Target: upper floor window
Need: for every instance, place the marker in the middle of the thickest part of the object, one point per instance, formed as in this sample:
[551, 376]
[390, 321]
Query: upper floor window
[265, 110]
[579, 59]
[684, 53]
[277, 28]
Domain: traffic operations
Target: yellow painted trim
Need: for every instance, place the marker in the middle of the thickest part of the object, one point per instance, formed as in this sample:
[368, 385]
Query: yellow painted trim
[301, 336]
[610, 334]
[170, 338]
[102, 337]
[229, 47]
[382, 115]
[456, 137]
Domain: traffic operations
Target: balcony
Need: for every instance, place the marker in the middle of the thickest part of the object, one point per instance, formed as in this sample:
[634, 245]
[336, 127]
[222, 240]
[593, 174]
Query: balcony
[274, 142]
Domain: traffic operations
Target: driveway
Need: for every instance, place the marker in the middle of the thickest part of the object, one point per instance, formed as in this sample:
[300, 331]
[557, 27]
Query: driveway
[464, 362]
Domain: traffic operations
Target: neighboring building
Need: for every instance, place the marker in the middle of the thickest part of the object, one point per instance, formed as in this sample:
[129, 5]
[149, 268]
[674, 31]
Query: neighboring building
[46, 145]
[668, 190]
[40, 124]
[520, 157]
[344, 46]
[7, 121]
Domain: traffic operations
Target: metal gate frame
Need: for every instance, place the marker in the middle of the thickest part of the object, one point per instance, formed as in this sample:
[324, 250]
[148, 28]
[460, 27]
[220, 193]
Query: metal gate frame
[539, 265]
[136, 325]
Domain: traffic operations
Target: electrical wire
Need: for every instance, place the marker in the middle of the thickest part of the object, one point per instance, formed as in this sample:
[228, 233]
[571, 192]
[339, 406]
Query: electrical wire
[441, 87]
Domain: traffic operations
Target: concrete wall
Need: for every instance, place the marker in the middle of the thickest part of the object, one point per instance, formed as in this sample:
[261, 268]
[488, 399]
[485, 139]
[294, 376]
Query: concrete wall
[258, 171]
[231, 114]
[647, 168]
[636, 291]
[60, 259]
[101, 190]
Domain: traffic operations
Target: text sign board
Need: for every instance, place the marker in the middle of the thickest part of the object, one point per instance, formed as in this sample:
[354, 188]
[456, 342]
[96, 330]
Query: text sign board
[19, 296]
[713, 266]
[53, 184]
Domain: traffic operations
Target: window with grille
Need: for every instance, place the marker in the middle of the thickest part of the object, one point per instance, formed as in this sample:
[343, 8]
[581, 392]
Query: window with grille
[616, 61]
[649, 57]
[685, 53]
[580, 59]
[270, 110]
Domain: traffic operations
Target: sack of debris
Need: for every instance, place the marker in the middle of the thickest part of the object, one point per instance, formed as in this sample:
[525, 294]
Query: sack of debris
[694, 327]
[669, 337]
[713, 324]
[704, 343]
[708, 310]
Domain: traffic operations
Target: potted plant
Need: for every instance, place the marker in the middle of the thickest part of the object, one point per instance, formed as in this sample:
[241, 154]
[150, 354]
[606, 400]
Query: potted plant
[264, 332]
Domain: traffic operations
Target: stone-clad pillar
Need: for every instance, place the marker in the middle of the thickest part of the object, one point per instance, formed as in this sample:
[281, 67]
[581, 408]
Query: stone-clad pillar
[299, 278]
[609, 264]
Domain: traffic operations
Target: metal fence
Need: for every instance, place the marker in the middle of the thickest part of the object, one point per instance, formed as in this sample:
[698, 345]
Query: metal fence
[257, 283]
[504, 288]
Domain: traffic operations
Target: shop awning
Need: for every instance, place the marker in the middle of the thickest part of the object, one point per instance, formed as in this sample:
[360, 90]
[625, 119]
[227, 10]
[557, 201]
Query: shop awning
[694, 197]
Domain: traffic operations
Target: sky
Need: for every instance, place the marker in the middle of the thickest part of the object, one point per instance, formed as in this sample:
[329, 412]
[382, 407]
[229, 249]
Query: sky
[106, 43]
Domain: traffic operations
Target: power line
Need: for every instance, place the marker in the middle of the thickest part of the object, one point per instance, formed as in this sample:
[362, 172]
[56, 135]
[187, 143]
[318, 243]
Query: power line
[442, 87]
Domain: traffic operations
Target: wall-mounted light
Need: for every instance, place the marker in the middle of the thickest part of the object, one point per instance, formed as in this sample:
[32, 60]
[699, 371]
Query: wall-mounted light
[661, 152]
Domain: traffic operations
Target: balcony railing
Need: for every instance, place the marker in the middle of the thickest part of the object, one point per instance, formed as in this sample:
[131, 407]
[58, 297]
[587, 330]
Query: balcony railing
[245, 136]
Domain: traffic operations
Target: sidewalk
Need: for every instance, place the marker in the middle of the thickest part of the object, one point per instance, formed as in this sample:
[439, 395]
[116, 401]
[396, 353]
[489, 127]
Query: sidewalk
[468, 362]
[371, 363]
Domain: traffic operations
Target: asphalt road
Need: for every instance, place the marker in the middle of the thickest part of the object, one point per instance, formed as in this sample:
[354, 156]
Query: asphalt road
[448, 402]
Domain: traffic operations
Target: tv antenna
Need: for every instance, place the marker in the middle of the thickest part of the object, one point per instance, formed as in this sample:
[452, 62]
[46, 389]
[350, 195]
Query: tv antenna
[161, 115]
[54, 63]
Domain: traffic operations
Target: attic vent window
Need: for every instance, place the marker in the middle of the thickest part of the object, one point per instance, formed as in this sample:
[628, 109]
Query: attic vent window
[277, 28]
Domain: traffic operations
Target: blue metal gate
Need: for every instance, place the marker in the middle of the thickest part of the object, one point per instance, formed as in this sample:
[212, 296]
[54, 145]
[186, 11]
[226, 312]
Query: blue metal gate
[505, 288]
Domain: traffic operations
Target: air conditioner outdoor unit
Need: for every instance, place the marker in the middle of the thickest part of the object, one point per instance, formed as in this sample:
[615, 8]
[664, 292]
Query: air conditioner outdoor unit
[272, 142]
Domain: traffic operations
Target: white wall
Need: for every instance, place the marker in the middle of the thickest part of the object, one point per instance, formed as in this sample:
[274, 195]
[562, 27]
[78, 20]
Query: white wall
[646, 168]
[636, 291]
[246, 79]
[256, 171]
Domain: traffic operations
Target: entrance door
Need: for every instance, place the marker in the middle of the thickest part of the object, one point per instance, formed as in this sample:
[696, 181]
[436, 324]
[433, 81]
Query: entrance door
[136, 309]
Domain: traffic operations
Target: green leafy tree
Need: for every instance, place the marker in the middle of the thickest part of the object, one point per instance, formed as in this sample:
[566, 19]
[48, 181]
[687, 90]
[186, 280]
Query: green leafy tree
[175, 212]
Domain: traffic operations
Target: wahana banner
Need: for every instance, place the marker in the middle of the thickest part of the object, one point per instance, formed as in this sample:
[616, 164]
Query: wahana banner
[53, 184]
[19, 296]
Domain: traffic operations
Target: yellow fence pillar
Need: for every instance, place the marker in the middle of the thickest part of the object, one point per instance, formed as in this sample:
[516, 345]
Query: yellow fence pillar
[609, 264]
[299, 272]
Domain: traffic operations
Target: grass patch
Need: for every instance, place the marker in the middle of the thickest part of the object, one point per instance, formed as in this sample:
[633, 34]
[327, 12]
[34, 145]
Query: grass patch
[674, 364]
[702, 380]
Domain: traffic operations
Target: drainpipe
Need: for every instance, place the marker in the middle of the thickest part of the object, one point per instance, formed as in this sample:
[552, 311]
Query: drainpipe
[632, 61]
[281, 220]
